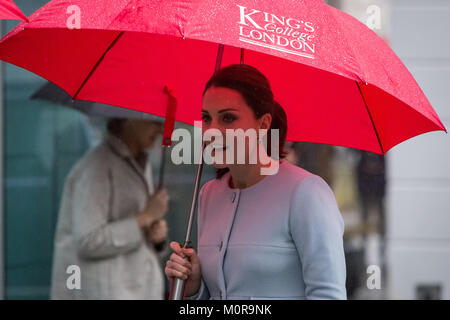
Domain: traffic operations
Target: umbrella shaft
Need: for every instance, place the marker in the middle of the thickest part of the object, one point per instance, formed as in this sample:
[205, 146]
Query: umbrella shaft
[177, 291]
[198, 176]
[162, 167]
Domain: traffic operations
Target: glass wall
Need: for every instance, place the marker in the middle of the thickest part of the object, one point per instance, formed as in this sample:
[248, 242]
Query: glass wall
[42, 142]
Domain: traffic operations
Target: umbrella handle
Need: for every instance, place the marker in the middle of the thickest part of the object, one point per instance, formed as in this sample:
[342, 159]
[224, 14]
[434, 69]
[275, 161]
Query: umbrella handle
[178, 288]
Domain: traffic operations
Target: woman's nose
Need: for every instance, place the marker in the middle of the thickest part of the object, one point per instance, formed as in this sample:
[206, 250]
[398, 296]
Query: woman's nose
[213, 128]
[215, 124]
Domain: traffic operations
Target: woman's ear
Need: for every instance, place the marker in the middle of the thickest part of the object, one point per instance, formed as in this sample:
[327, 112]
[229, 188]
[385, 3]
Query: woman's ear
[265, 121]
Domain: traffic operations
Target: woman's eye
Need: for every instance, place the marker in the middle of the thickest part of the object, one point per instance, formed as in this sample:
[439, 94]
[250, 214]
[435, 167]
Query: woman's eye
[228, 118]
[206, 118]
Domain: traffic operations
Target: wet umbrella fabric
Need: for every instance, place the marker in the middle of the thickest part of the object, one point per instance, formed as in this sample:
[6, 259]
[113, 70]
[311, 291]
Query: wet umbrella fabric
[338, 82]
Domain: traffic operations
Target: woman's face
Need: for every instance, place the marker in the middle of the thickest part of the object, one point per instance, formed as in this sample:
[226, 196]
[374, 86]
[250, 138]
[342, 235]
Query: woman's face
[224, 109]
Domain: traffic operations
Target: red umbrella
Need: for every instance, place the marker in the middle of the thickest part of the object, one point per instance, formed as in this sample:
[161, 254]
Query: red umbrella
[338, 82]
[9, 10]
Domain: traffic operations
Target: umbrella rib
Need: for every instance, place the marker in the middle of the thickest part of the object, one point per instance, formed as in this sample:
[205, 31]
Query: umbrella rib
[98, 63]
[370, 116]
[219, 57]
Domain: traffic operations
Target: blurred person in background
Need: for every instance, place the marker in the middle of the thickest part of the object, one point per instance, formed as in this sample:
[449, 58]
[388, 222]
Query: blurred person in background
[111, 222]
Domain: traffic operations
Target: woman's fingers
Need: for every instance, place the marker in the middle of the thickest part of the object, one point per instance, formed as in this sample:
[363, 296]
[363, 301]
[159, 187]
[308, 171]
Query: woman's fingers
[190, 253]
[181, 261]
[178, 267]
[174, 269]
[172, 273]
[184, 252]
[177, 248]
[177, 274]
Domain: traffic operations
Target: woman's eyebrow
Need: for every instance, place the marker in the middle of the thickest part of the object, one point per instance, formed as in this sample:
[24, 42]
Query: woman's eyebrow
[228, 109]
[221, 111]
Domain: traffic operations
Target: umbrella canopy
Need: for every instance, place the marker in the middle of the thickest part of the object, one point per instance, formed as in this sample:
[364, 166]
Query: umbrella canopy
[9, 11]
[338, 82]
[54, 94]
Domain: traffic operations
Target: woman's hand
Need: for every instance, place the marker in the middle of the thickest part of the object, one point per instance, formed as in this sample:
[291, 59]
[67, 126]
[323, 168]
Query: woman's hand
[185, 269]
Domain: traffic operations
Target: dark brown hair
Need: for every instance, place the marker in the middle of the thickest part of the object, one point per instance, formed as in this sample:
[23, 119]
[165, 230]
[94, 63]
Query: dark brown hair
[257, 93]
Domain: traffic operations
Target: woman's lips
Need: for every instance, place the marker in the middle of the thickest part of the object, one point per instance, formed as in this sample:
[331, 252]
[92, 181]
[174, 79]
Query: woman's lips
[217, 147]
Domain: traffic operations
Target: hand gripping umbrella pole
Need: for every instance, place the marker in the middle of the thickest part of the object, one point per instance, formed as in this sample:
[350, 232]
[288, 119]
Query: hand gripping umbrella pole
[177, 289]
[178, 285]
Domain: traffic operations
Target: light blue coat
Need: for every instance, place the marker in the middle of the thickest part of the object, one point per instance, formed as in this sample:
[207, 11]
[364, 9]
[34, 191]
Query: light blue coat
[281, 238]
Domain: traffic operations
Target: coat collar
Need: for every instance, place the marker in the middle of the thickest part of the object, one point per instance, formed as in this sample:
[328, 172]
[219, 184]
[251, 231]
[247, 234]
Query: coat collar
[140, 165]
[118, 146]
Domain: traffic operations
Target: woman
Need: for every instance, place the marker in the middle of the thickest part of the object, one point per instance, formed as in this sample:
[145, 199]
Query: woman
[110, 223]
[260, 236]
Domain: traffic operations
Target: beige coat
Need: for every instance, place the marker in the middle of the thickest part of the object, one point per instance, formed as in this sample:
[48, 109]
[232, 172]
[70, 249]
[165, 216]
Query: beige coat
[98, 232]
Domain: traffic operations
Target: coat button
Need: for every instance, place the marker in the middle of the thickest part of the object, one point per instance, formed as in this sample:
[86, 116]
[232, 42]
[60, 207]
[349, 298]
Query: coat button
[233, 196]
